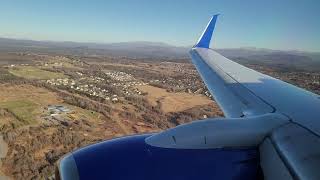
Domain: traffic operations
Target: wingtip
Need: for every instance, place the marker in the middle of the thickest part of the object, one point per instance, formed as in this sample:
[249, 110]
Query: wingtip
[205, 38]
[216, 15]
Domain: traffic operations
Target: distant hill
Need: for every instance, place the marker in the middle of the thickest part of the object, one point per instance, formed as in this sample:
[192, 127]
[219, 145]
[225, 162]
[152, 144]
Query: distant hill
[296, 60]
[282, 60]
[130, 49]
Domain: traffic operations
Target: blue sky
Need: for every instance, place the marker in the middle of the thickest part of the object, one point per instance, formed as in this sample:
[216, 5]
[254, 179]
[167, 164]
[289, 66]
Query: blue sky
[275, 24]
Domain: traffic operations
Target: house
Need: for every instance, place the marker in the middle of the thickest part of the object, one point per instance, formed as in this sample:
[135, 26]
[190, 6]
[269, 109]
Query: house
[57, 109]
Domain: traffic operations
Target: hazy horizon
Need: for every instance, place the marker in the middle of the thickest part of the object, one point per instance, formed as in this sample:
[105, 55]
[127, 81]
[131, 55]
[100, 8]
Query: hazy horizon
[271, 25]
[158, 43]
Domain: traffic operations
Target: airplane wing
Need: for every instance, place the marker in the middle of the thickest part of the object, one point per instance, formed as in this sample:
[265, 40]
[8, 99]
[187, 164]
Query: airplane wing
[269, 125]
[289, 151]
[241, 91]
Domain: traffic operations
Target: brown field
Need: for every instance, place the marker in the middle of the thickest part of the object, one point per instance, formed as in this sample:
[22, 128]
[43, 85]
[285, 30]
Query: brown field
[173, 102]
[28, 103]
[30, 72]
[13, 58]
[25, 102]
[18, 92]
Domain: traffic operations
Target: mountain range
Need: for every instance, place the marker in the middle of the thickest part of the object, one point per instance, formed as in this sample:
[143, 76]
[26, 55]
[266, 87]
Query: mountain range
[162, 51]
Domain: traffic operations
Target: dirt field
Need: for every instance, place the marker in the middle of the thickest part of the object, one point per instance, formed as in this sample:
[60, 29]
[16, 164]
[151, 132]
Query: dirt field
[25, 102]
[13, 58]
[28, 103]
[173, 102]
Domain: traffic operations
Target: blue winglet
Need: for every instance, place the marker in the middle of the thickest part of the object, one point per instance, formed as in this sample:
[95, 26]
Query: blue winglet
[204, 40]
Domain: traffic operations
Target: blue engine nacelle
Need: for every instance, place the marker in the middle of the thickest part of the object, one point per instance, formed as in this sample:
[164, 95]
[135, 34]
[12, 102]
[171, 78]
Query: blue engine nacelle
[208, 149]
[132, 158]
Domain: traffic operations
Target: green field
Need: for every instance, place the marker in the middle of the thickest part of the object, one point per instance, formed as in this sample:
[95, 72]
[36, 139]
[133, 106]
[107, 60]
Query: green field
[35, 73]
[23, 110]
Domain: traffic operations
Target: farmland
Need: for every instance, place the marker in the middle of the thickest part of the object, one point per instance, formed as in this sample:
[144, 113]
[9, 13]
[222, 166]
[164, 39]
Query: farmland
[34, 73]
